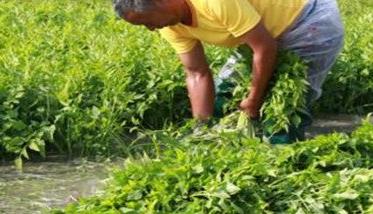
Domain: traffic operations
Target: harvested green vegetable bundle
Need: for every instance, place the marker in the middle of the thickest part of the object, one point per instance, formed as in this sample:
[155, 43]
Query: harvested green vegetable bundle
[286, 96]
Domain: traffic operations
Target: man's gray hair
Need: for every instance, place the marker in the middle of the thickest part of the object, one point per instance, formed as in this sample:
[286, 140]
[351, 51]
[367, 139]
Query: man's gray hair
[121, 7]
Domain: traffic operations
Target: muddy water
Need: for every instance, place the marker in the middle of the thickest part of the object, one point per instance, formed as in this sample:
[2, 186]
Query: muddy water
[324, 124]
[45, 185]
[51, 184]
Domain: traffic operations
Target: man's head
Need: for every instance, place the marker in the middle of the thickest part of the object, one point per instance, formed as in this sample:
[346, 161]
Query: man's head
[125, 6]
[153, 14]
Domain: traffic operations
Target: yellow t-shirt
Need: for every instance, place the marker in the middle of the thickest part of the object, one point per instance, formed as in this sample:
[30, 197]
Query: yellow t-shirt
[222, 22]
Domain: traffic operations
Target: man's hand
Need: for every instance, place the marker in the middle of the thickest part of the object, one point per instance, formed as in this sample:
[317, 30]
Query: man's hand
[264, 57]
[251, 107]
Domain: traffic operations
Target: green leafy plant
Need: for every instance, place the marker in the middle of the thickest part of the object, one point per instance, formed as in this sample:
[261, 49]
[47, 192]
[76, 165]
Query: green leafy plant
[78, 87]
[233, 173]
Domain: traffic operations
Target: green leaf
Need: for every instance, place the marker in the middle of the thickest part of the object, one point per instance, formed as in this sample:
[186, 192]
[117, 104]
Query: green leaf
[34, 146]
[19, 125]
[221, 194]
[134, 196]
[242, 121]
[19, 163]
[42, 148]
[50, 131]
[198, 169]
[349, 194]
[24, 153]
[232, 189]
[126, 210]
[95, 112]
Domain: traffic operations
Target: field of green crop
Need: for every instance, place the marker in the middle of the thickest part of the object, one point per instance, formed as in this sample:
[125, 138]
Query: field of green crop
[74, 78]
[230, 172]
[77, 81]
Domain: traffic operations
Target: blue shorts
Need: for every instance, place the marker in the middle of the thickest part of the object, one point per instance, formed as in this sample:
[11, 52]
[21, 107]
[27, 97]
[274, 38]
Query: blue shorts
[317, 37]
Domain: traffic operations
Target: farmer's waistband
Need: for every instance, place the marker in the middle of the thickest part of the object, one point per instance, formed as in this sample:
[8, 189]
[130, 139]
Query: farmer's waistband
[307, 10]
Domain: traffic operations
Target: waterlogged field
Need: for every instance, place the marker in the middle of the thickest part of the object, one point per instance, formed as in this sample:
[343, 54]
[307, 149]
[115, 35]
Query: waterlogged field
[77, 81]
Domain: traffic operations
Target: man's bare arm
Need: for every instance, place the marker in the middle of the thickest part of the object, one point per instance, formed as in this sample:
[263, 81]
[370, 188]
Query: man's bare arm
[199, 82]
[264, 48]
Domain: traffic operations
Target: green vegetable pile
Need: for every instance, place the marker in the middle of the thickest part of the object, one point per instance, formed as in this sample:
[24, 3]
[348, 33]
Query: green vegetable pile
[229, 172]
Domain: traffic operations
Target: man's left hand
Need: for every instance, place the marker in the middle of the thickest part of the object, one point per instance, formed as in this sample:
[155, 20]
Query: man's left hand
[251, 107]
